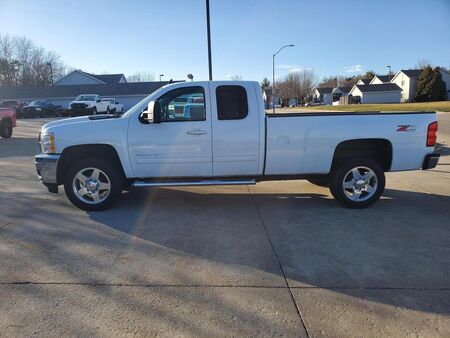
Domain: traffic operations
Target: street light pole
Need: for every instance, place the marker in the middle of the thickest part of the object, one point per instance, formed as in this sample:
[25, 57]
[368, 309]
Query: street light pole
[208, 29]
[160, 76]
[51, 71]
[273, 75]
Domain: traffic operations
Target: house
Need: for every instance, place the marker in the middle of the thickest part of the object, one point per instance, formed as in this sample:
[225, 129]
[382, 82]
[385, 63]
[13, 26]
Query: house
[126, 93]
[379, 79]
[339, 92]
[363, 81]
[376, 93]
[323, 94]
[407, 80]
[78, 77]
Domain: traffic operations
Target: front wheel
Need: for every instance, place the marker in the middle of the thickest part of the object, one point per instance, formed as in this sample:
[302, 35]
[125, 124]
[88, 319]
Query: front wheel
[357, 183]
[6, 129]
[93, 184]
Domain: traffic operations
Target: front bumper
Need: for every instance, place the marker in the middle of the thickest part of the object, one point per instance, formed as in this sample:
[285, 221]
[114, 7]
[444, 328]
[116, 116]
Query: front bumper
[46, 169]
[430, 161]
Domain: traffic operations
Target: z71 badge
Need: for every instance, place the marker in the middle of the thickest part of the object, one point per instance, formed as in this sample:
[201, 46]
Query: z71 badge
[406, 128]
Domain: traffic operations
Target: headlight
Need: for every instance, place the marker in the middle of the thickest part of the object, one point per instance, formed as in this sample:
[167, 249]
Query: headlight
[48, 143]
[38, 109]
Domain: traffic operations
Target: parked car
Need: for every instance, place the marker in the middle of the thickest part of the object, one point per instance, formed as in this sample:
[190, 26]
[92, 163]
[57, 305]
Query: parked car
[114, 105]
[16, 105]
[224, 137]
[314, 103]
[41, 108]
[88, 104]
[7, 121]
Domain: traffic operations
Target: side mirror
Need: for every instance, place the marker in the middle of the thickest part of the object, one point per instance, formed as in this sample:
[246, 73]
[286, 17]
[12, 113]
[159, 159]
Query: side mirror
[152, 114]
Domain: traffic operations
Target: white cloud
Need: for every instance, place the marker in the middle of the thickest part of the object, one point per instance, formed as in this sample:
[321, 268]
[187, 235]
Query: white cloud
[290, 68]
[353, 69]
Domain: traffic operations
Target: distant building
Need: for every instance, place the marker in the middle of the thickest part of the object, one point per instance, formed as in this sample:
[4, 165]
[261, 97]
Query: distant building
[363, 81]
[379, 79]
[406, 79]
[78, 77]
[339, 92]
[77, 82]
[376, 93]
[324, 94]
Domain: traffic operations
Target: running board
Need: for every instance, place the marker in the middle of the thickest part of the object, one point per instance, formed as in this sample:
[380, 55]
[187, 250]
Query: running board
[192, 183]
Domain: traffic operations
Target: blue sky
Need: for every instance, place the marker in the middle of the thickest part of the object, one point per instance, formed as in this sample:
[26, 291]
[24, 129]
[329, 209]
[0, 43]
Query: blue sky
[344, 37]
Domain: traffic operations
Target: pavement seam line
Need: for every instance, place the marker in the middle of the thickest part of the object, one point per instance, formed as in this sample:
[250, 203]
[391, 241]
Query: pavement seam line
[278, 260]
[223, 286]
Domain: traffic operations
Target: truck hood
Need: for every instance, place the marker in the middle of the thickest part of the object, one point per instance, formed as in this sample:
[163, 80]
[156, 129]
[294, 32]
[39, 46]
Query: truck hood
[76, 122]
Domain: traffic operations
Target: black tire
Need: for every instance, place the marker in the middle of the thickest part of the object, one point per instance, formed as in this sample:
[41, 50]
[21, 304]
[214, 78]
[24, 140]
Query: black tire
[107, 110]
[108, 168]
[341, 172]
[6, 129]
[320, 181]
[94, 111]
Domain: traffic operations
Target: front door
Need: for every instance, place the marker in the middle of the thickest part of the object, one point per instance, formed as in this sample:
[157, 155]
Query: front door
[179, 146]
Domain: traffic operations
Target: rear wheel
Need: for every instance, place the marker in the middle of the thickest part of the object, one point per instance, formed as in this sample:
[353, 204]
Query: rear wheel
[93, 184]
[6, 129]
[357, 183]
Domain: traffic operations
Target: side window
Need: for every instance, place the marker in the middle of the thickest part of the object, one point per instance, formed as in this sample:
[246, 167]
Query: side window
[231, 102]
[183, 104]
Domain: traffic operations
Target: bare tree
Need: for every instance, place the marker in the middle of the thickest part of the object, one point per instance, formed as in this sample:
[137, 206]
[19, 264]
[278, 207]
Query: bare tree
[298, 85]
[422, 63]
[141, 77]
[23, 63]
[236, 77]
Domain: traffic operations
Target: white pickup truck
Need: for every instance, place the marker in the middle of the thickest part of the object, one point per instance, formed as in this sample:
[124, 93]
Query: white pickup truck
[88, 104]
[218, 133]
[114, 105]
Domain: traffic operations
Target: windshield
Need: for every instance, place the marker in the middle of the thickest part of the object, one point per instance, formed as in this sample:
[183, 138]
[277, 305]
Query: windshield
[35, 103]
[141, 105]
[85, 98]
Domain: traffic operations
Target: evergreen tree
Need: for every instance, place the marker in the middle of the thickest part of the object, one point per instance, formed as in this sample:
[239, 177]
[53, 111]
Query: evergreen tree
[430, 86]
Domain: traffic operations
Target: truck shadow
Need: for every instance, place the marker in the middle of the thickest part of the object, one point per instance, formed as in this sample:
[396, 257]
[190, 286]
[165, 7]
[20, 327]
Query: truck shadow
[401, 243]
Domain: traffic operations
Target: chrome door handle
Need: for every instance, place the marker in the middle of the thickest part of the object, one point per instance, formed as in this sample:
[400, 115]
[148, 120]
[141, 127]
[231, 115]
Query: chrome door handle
[197, 132]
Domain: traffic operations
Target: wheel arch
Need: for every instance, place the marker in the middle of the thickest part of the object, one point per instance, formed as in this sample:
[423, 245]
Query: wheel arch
[376, 148]
[72, 153]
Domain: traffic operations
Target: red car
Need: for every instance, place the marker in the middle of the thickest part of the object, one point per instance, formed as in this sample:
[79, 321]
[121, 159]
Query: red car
[7, 122]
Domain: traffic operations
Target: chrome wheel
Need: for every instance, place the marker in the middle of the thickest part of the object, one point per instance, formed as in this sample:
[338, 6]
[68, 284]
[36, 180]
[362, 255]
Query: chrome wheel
[360, 184]
[91, 185]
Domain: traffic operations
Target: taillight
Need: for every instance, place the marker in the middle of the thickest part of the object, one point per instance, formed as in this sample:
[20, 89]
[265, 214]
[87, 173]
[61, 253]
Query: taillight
[431, 134]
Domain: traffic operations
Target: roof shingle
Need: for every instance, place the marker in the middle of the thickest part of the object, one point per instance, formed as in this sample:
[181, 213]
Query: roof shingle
[383, 87]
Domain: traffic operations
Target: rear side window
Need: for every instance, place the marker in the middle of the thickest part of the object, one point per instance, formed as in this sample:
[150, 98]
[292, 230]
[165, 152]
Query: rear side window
[231, 102]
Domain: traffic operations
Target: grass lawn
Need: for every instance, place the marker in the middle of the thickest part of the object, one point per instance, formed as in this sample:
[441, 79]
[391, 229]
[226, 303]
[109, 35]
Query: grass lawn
[416, 106]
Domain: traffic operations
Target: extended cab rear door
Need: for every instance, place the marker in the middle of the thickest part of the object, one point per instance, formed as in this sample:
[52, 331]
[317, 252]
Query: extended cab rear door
[237, 129]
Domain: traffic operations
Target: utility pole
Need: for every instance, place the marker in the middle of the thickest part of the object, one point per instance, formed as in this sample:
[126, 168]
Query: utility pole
[209, 40]
[389, 74]
[273, 75]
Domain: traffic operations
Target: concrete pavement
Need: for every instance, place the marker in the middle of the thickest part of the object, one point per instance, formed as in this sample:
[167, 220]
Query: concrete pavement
[278, 258]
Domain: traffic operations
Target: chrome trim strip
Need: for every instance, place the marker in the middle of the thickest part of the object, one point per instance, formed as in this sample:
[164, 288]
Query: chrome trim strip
[193, 183]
